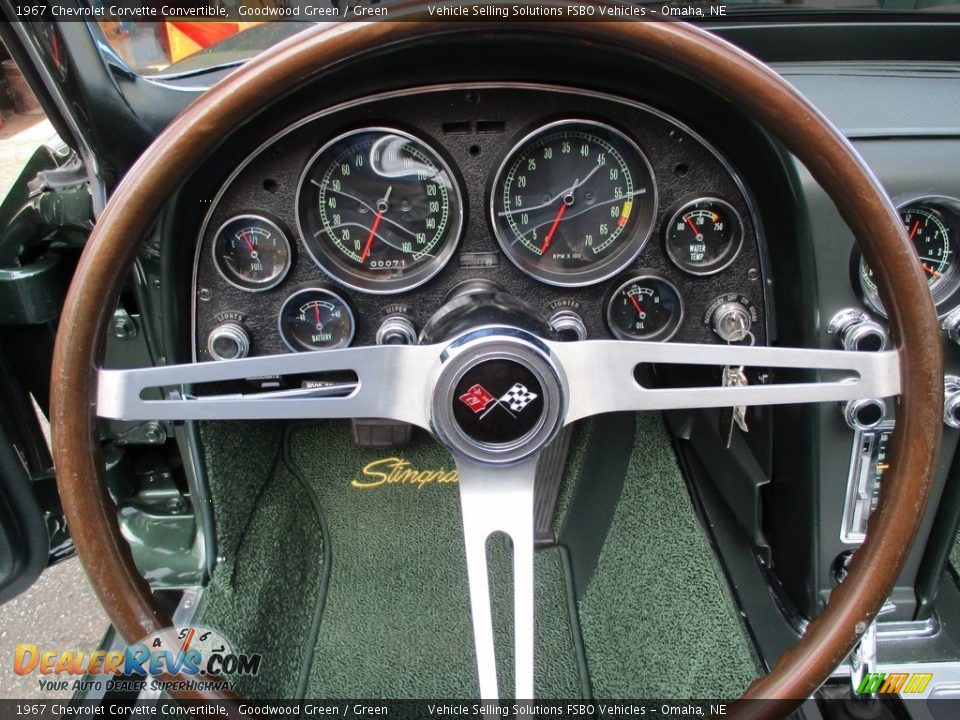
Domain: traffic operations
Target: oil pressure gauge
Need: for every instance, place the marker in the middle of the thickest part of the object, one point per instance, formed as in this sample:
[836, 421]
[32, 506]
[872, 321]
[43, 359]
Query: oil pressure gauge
[646, 307]
[316, 319]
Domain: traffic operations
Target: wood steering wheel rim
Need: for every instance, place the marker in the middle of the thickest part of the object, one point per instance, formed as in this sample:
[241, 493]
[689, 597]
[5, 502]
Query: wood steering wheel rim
[756, 90]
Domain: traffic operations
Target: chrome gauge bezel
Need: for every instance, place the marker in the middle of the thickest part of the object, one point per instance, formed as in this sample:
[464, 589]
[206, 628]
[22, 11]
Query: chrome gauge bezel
[601, 270]
[619, 334]
[732, 252]
[322, 291]
[418, 276]
[280, 232]
[947, 295]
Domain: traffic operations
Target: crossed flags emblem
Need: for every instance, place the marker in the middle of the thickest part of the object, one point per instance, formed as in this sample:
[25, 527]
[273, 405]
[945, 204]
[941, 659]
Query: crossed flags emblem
[514, 400]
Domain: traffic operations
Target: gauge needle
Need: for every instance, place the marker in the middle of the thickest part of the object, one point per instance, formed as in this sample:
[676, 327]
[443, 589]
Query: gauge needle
[316, 314]
[250, 247]
[929, 270]
[373, 233]
[693, 228]
[636, 304]
[382, 206]
[916, 226]
[553, 228]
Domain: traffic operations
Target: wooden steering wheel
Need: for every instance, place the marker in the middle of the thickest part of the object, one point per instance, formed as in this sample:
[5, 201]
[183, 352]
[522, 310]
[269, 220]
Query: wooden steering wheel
[912, 372]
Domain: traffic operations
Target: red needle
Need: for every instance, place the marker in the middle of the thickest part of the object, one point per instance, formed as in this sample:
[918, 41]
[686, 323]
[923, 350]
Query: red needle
[693, 227]
[250, 247]
[316, 314]
[553, 228]
[636, 304]
[373, 233]
[930, 270]
[916, 226]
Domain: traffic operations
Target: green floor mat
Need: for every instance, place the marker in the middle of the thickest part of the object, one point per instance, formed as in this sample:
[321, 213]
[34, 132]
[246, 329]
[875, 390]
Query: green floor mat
[396, 613]
[264, 592]
[657, 619]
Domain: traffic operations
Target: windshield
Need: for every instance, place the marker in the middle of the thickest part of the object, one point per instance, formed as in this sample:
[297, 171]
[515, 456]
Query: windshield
[189, 42]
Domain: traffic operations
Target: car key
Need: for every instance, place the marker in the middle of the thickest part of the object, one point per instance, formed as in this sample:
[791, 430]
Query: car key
[733, 377]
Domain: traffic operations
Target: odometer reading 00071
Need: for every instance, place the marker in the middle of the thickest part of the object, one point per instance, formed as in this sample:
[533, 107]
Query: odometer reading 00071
[574, 203]
[379, 210]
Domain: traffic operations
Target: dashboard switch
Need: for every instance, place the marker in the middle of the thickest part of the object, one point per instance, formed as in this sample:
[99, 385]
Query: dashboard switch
[229, 341]
[731, 321]
[568, 325]
[951, 401]
[856, 331]
[865, 413]
[397, 330]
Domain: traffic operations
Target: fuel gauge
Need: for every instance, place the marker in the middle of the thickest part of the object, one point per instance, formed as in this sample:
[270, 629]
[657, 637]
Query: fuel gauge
[252, 253]
[645, 308]
[316, 319]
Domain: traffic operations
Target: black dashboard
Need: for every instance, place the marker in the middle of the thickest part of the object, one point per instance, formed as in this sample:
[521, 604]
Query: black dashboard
[298, 249]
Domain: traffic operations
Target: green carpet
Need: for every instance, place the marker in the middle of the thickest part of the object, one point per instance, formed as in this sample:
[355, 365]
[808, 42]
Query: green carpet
[657, 618]
[352, 592]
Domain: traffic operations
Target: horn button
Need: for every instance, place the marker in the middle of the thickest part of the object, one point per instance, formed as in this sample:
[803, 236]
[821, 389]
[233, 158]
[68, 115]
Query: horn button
[498, 402]
[499, 396]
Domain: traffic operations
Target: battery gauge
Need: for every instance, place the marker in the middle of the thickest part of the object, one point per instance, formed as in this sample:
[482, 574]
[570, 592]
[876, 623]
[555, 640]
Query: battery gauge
[316, 319]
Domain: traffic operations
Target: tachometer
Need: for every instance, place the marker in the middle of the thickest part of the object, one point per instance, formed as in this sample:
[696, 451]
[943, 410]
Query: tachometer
[573, 203]
[379, 210]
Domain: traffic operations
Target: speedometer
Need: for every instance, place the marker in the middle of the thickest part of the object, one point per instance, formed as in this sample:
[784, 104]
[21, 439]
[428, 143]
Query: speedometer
[379, 210]
[573, 203]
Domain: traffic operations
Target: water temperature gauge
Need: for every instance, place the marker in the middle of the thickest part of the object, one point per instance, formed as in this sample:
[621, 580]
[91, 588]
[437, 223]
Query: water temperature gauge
[645, 308]
[704, 236]
[252, 253]
[316, 319]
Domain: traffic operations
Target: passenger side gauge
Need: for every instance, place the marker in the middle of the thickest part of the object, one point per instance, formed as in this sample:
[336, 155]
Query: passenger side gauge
[932, 224]
[379, 210]
[646, 307]
[316, 319]
[252, 253]
[704, 236]
[573, 203]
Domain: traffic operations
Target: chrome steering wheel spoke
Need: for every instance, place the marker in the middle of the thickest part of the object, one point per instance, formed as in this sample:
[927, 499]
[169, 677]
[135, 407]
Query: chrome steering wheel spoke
[603, 375]
[500, 500]
[388, 381]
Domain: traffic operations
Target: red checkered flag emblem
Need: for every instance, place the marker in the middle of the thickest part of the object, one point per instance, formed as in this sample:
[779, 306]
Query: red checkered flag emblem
[477, 398]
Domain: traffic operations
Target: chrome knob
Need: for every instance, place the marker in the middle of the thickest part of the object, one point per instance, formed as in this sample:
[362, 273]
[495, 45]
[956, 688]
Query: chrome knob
[568, 325]
[229, 341]
[731, 321]
[856, 331]
[865, 413]
[397, 330]
[951, 401]
[951, 323]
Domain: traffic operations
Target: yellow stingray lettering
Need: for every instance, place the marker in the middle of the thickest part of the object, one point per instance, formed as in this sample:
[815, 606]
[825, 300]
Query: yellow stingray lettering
[397, 471]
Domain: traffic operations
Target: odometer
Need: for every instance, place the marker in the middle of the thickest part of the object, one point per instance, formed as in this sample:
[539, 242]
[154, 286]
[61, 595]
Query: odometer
[574, 203]
[379, 210]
